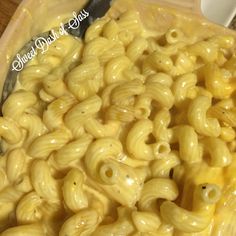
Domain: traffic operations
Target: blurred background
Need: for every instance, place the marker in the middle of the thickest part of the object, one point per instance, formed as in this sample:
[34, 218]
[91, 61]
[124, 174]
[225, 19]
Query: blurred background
[7, 9]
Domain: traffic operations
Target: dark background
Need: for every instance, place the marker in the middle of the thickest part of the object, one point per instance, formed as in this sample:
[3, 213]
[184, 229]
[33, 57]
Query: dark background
[7, 9]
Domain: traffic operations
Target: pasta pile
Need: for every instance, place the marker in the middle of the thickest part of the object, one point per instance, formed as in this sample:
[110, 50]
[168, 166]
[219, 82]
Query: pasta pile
[124, 133]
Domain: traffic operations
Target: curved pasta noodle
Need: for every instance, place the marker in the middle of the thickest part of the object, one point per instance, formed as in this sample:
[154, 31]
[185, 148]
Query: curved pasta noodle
[44, 96]
[77, 115]
[106, 94]
[161, 149]
[23, 183]
[161, 94]
[73, 192]
[205, 197]
[53, 213]
[161, 78]
[222, 41]
[146, 221]
[142, 107]
[134, 73]
[121, 182]
[229, 65]
[15, 164]
[168, 49]
[122, 226]
[136, 140]
[10, 194]
[28, 209]
[228, 134]
[25, 230]
[157, 61]
[73, 55]
[224, 216]
[6, 210]
[82, 223]
[8, 200]
[207, 51]
[130, 20]
[123, 94]
[102, 164]
[73, 151]
[24, 100]
[95, 29]
[160, 60]
[197, 116]
[10, 131]
[196, 174]
[32, 76]
[113, 52]
[96, 47]
[114, 69]
[136, 49]
[83, 81]
[34, 126]
[61, 48]
[3, 179]
[189, 149]
[99, 151]
[99, 130]
[52, 218]
[226, 115]
[161, 168]
[157, 188]
[98, 201]
[184, 64]
[218, 150]
[215, 82]
[54, 84]
[164, 230]
[126, 37]
[42, 146]
[183, 87]
[161, 122]
[120, 113]
[44, 184]
[37, 109]
[111, 30]
[53, 115]
[174, 35]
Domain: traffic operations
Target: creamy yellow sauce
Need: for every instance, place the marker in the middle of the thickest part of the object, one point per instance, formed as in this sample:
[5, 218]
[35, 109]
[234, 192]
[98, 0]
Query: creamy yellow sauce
[32, 14]
[114, 187]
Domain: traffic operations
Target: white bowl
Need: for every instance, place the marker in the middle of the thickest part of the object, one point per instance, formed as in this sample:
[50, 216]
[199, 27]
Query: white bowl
[219, 11]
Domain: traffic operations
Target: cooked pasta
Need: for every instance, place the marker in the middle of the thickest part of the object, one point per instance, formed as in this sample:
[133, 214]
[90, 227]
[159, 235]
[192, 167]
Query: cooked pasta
[73, 191]
[128, 132]
[29, 210]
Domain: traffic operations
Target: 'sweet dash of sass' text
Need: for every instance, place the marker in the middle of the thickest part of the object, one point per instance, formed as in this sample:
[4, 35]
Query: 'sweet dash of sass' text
[41, 44]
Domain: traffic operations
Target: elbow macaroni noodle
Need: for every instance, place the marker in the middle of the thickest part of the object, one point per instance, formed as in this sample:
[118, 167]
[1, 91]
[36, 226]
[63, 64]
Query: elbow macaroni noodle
[122, 134]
